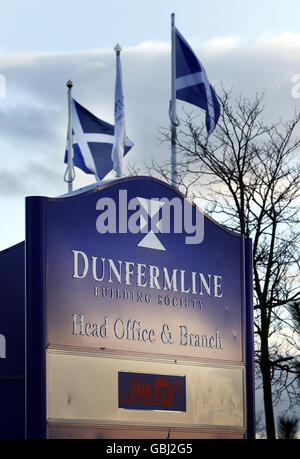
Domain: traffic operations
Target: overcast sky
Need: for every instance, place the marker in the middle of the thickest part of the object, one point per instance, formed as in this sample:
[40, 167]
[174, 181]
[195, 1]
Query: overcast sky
[252, 45]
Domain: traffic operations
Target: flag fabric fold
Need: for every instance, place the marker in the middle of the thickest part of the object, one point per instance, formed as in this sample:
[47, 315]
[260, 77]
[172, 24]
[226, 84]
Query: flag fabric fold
[192, 84]
[120, 131]
[93, 141]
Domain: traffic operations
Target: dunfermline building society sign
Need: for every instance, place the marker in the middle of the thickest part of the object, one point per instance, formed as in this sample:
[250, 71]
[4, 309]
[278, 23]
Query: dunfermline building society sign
[138, 309]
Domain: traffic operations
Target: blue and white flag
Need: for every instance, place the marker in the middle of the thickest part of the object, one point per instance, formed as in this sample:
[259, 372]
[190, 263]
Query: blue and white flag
[120, 131]
[93, 141]
[192, 84]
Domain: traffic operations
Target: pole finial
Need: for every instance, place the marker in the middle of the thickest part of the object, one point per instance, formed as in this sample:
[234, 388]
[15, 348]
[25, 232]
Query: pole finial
[118, 48]
[69, 84]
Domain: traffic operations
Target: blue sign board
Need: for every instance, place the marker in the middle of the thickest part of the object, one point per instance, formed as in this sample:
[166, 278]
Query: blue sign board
[120, 289]
[12, 340]
[133, 267]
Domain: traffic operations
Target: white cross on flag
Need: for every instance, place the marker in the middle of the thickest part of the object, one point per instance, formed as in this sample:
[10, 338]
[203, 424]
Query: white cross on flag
[93, 141]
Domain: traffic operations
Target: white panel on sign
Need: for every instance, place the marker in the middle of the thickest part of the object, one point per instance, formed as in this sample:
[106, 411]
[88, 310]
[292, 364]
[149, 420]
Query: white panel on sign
[84, 388]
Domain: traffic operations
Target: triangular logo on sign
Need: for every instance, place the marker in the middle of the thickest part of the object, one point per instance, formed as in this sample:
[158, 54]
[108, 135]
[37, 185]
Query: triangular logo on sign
[152, 207]
[150, 241]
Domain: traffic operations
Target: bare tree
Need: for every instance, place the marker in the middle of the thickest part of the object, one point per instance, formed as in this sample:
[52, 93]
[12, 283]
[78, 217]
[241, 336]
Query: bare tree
[247, 173]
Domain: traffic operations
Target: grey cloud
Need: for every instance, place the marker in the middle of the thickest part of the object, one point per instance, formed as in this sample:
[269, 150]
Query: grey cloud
[36, 119]
[25, 123]
[32, 179]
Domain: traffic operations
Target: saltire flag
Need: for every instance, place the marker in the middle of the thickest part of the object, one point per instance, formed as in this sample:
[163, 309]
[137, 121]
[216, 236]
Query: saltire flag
[192, 84]
[93, 141]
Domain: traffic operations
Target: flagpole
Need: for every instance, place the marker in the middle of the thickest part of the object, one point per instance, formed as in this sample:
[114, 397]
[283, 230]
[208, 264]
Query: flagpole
[117, 50]
[70, 139]
[172, 113]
